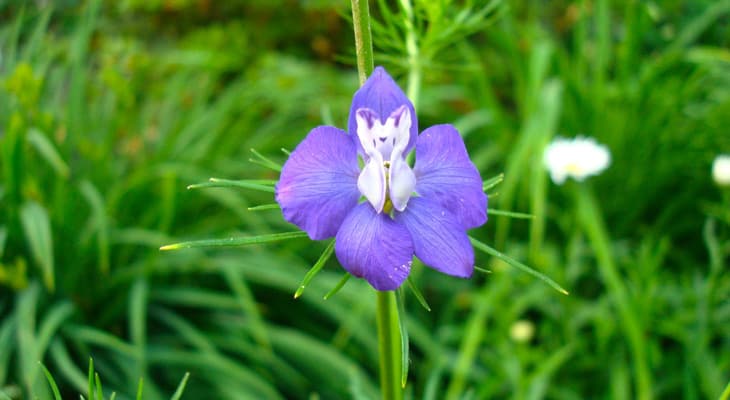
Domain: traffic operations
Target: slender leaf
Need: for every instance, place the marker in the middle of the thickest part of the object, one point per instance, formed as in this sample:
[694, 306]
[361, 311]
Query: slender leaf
[260, 185]
[51, 382]
[337, 287]
[48, 152]
[326, 254]
[37, 227]
[510, 214]
[511, 261]
[417, 293]
[236, 241]
[181, 387]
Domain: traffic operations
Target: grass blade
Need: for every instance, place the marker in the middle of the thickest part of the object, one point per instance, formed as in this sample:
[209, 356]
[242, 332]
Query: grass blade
[48, 152]
[235, 241]
[37, 227]
[51, 381]
[181, 387]
[326, 254]
[511, 261]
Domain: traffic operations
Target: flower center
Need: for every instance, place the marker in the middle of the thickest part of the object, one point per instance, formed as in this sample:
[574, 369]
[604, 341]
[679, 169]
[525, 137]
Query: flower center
[386, 180]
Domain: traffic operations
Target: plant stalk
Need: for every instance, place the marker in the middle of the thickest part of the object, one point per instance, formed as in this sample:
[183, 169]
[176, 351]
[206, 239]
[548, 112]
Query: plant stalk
[363, 38]
[590, 219]
[389, 343]
[389, 346]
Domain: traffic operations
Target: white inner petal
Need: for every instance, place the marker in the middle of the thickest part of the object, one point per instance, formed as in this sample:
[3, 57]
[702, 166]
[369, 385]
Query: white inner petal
[386, 172]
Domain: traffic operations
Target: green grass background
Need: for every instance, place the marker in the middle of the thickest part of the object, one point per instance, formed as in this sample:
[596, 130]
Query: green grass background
[109, 109]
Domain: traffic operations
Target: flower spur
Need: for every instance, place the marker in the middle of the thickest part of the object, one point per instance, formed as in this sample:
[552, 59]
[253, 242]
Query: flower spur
[423, 211]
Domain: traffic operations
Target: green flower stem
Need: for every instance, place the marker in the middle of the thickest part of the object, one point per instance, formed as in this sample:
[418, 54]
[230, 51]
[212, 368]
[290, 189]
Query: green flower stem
[389, 343]
[389, 346]
[363, 38]
[589, 217]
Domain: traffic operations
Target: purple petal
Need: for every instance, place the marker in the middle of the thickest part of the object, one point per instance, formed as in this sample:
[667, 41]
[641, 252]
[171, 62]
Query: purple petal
[371, 245]
[445, 174]
[318, 183]
[439, 240]
[381, 94]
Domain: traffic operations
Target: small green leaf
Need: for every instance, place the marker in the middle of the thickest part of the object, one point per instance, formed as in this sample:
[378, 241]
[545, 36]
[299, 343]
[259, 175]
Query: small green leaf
[37, 227]
[337, 287]
[263, 161]
[236, 241]
[492, 182]
[418, 294]
[264, 207]
[510, 214]
[48, 151]
[181, 387]
[326, 254]
[511, 261]
[285, 151]
[482, 270]
[51, 381]
[254, 184]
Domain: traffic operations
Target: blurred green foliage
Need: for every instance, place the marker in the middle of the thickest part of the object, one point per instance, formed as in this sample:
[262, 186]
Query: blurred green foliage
[109, 109]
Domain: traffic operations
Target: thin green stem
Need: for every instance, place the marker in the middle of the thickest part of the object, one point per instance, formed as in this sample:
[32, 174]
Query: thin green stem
[592, 223]
[414, 66]
[389, 345]
[363, 38]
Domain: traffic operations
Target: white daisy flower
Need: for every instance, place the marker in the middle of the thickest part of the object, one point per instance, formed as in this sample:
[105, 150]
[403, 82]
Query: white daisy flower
[721, 170]
[577, 158]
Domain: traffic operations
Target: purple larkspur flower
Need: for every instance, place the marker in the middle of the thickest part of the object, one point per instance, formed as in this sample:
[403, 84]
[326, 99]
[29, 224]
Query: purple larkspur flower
[425, 210]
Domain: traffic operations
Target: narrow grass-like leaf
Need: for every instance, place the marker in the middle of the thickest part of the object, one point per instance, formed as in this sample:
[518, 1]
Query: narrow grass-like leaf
[492, 182]
[404, 341]
[3, 239]
[99, 390]
[482, 270]
[337, 287]
[237, 241]
[726, 393]
[510, 214]
[264, 207]
[260, 185]
[4, 396]
[263, 161]
[417, 293]
[51, 382]
[113, 396]
[140, 388]
[91, 379]
[99, 221]
[326, 254]
[62, 360]
[285, 151]
[511, 261]
[37, 227]
[181, 387]
[48, 152]
[138, 321]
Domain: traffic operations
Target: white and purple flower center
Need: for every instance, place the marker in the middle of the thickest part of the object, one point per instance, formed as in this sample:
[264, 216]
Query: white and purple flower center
[386, 180]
